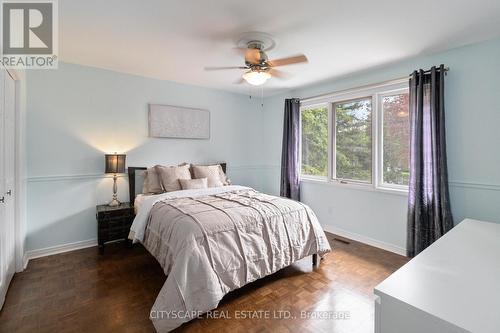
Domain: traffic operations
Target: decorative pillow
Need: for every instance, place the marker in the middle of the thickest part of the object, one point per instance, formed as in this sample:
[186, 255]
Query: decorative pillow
[169, 176]
[152, 182]
[214, 174]
[192, 184]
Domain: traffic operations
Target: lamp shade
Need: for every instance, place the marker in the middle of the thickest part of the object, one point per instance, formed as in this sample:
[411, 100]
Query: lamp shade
[115, 163]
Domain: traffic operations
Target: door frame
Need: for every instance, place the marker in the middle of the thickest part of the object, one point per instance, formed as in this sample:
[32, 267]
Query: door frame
[20, 170]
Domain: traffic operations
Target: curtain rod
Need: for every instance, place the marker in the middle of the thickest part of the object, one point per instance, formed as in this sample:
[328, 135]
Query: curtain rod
[348, 90]
[446, 69]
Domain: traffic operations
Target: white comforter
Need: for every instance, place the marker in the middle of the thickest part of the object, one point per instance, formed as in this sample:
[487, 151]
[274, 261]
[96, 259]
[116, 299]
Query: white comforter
[215, 240]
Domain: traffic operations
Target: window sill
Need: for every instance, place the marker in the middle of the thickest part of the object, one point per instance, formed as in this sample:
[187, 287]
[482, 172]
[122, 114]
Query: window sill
[354, 186]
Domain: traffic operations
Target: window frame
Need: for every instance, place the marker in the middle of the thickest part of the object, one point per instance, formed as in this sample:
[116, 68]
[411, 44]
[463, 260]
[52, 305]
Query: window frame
[380, 149]
[313, 106]
[376, 92]
[333, 148]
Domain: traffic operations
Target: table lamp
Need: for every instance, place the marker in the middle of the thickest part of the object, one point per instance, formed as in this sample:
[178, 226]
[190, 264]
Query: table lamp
[115, 163]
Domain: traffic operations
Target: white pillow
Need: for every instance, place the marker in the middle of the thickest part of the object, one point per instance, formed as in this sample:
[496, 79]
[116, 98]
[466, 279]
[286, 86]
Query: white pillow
[192, 184]
[214, 174]
[152, 182]
[169, 176]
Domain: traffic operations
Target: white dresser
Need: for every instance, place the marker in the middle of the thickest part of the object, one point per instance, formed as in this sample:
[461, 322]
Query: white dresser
[452, 286]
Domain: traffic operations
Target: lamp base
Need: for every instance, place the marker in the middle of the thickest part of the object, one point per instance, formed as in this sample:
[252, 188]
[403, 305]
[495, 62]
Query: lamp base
[114, 203]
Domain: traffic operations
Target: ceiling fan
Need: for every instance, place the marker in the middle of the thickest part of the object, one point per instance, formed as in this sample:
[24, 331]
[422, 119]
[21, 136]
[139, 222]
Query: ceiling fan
[258, 68]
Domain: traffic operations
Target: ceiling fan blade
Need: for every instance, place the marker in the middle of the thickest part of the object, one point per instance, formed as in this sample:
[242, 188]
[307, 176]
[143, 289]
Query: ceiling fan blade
[279, 74]
[287, 61]
[251, 55]
[223, 68]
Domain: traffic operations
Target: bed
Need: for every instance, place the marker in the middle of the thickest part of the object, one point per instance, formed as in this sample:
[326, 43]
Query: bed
[214, 240]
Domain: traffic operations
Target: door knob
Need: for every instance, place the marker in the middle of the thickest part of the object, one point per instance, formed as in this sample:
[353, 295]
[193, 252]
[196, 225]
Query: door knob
[2, 200]
[9, 192]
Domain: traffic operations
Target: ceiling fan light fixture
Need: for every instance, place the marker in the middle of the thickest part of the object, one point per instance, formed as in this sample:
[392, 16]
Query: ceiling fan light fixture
[256, 78]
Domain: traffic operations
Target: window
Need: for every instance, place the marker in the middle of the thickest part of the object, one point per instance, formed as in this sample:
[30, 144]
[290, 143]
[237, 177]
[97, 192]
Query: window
[353, 139]
[359, 136]
[314, 145]
[396, 139]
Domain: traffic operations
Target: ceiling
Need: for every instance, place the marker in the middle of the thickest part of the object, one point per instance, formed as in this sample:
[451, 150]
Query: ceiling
[175, 40]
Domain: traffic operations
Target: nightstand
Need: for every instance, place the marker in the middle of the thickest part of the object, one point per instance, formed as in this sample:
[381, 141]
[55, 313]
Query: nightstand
[113, 223]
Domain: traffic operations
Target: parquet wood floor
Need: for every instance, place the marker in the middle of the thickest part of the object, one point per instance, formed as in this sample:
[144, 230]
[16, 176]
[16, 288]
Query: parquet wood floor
[81, 291]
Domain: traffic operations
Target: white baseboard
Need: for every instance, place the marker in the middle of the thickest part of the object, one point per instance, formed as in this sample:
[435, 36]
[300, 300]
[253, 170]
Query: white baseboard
[365, 239]
[48, 251]
[25, 260]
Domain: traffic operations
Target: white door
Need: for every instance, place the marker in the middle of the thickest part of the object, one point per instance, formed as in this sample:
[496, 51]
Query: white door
[7, 181]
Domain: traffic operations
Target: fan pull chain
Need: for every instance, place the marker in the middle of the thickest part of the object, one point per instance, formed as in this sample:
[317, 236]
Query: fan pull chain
[262, 96]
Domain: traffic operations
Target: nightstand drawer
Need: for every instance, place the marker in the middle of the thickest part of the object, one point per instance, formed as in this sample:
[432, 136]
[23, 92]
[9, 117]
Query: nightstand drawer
[115, 214]
[117, 235]
[116, 223]
[113, 231]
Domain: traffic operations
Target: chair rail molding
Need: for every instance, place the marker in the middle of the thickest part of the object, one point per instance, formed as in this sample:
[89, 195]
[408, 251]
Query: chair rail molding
[475, 185]
[51, 178]
[84, 176]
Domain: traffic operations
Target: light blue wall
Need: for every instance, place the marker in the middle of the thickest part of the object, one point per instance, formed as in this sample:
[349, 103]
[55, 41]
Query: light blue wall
[473, 118]
[75, 114]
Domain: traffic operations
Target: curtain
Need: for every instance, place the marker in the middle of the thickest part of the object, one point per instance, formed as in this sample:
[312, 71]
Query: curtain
[429, 215]
[290, 150]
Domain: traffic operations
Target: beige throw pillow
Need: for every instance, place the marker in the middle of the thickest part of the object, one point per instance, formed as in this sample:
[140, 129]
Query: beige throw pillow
[214, 174]
[192, 184]
[151, 182]
[169, 176]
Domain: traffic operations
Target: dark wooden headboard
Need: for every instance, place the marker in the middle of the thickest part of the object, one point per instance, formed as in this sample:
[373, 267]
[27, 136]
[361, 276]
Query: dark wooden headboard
[131, 182]
[131, 179]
